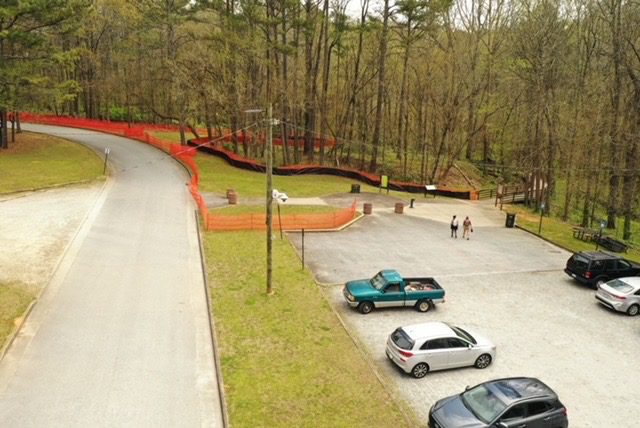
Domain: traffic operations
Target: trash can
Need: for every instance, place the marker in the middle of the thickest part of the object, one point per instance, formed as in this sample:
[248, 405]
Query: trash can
[399, 208]
[367, 208]
[511, 220]
[355, 188]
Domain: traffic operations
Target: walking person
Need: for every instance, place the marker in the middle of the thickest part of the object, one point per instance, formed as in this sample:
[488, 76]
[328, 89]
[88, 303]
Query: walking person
[454, 227]
[467, 228]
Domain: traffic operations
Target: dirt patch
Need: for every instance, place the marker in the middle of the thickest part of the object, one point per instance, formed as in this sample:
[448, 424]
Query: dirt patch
[28, 142]
[36, 227]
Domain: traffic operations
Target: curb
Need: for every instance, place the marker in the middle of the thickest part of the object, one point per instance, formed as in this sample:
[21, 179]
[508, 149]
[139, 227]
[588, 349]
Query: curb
[27, 312]
[17, 328]
[19, 193]
[212, 330]
[404, 409]
[545, 239]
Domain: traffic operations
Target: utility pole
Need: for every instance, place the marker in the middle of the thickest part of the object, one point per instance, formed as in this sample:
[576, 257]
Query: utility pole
[269, 200]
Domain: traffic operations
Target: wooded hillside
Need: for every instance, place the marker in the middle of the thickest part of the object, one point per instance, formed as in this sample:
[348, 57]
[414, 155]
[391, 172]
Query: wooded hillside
[546, 89]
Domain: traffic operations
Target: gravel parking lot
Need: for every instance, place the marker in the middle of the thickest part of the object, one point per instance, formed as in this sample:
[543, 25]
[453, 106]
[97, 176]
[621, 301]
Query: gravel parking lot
[503, 282]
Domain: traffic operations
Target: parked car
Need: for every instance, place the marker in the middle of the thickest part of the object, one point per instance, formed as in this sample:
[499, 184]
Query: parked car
[387, 288]
[420, 348]
[595, 268]
[502, 403]
[622, 295]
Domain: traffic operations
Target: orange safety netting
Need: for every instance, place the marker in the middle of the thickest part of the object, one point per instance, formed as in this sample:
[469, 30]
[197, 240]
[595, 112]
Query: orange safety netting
[186, 155]
[136, 132]
[284, 222]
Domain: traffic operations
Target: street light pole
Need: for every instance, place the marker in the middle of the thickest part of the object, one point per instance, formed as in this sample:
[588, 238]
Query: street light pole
[541, 212]
[269, 201]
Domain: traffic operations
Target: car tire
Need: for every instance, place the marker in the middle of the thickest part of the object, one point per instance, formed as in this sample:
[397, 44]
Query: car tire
[633, 310]
[599, 281]
[483, 361]
[365, 307]
[420, 370]
[423, 305]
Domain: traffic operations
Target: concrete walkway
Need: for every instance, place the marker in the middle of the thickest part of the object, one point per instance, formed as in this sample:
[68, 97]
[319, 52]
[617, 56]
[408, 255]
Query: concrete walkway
[121, 335]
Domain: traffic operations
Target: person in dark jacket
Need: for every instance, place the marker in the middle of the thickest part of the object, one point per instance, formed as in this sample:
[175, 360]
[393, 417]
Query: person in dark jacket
[454, 227]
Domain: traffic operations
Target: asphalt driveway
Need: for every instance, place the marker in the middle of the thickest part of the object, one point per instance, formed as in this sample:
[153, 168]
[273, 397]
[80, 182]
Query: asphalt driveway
[503, 282]
[121, 334]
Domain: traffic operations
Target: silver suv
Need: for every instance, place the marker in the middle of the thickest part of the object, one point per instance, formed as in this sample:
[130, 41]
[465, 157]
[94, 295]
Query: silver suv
[501, 403]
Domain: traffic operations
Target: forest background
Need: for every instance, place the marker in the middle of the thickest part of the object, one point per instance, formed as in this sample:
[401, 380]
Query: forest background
[542, 89]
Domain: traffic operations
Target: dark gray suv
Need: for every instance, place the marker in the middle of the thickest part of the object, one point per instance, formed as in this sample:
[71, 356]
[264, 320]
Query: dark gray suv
[501, 403]
[595, 268]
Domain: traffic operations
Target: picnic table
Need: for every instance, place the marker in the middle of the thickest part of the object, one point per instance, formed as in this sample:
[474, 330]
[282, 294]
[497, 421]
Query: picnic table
[585, 234]
[592, 235]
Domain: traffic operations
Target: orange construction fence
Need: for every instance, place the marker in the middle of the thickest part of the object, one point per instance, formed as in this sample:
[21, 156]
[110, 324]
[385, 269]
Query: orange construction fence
[186, 155]
[139, 132]
[284, 222]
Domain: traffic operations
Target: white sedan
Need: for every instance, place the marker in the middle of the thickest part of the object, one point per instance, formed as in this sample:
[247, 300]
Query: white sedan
[622, 295]
[420, 348]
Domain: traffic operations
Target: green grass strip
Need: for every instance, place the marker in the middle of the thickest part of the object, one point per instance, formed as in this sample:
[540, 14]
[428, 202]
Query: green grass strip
[286, 359]
[36, 161]
[14, 300]
[217, 176]
[558, 232]
[232, 210]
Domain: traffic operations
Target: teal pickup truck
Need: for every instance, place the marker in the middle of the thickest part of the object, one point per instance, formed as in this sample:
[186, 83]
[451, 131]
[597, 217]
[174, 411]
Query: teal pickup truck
[387, 288]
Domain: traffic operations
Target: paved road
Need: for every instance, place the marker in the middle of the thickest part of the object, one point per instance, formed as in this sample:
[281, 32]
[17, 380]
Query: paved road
[503, 282]
[120, 337]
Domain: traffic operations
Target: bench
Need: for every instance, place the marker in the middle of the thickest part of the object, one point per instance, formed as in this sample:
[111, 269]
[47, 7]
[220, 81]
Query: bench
[584, 233]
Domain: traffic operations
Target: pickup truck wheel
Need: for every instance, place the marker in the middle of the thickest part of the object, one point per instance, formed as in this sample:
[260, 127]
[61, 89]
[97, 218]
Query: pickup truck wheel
[365, 307]
[633, 310]
[423, 305]
[420, 370]
[483, 361]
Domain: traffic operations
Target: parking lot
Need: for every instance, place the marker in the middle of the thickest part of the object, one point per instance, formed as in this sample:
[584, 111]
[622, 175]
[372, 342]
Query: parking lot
[505, 283]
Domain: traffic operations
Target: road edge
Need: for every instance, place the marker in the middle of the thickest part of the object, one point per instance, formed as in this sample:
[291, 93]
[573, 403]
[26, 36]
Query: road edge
[57, 271]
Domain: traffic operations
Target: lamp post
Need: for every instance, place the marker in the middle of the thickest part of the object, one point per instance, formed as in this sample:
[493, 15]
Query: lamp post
[541, 212]
[602, 226]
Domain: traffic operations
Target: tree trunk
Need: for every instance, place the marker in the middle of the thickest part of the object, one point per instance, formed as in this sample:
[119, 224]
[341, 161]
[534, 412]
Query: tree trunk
[4, 144]
[616, 94]
[310, 83]
[382, 54]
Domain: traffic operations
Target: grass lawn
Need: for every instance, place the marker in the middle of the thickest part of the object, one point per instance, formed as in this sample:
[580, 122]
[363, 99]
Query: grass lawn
[557, 231]
[286, 359]
[217, 176]
[14, 299]
[173, 136]
[36, 161]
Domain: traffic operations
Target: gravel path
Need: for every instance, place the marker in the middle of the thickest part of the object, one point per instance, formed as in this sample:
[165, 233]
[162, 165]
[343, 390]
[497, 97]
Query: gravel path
[36, 227]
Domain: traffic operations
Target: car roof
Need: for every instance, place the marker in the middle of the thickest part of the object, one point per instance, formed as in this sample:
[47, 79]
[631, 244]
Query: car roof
[428, 330]
[390, 275]
[598, 255]
[519, 388]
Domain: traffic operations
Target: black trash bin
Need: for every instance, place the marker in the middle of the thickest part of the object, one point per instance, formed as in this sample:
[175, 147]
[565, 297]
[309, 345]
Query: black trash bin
[511, 220]
[355, 188]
